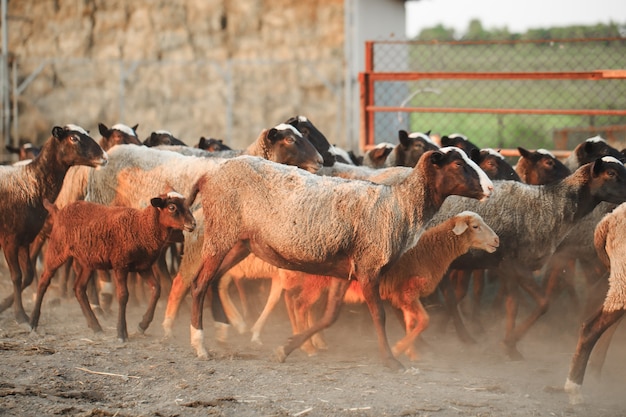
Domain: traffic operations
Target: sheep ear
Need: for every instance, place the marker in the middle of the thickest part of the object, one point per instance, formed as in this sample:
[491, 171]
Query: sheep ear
[135, 127]
[437, 157]
[597, 167]
[459, 227]
[403, 137]
[475, 155]
[58, 132]
[293, 122]
[103, 129]
[427, 133]
[272, 135]
[157, 202]
[523, 152]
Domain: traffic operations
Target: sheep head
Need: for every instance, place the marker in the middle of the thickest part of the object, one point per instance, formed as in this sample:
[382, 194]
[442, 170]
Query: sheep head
[76, 147]
[174, 212]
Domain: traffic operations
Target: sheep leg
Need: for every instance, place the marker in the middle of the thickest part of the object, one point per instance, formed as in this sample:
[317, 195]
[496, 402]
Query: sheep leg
[452, 308]
[212, 268]
[589, 334]
[336, 291]
[417, 320]
[105, 293]
[121, 290]
[511, 304]
[229, 307]
[527, 282]
[161, 271]
[11, 254]
[178, 291]
[155, 284]
[598, 356]
[305, 318]
[44, 282]
[276, 290]
[478, 281]
[243, 296]
[80, 291]
[317, 340]
[371, 294]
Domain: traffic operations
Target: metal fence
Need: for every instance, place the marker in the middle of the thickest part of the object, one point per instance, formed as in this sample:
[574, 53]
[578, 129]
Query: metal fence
[501, 94]
[230, 99]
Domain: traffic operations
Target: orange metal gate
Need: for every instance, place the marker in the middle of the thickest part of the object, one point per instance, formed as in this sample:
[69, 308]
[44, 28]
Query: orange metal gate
[609, 106]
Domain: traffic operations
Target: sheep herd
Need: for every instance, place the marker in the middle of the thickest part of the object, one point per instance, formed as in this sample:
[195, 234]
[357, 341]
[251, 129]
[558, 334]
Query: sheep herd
[402, 223]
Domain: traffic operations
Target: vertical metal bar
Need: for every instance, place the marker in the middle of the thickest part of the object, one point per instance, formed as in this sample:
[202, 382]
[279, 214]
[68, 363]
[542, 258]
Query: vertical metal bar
[16, 133]
[230, 100]
[4, 76]
[120, 117]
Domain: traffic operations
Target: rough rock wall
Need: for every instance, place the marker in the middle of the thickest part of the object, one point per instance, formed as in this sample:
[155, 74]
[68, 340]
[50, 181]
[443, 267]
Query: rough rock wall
[220, 68]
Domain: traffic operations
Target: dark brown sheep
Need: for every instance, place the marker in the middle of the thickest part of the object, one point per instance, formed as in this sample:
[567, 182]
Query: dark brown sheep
[23, 189]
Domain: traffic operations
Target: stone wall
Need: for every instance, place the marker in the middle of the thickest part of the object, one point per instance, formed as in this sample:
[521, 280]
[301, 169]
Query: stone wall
[220, 68]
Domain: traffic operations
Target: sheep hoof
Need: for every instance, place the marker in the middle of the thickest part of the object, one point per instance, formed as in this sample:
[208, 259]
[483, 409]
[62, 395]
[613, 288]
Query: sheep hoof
[33, 333]
[512, 353]
[280, 355]
[394, 364]
[26, 326]
[256, 340]
[574, 391]
[140, 330]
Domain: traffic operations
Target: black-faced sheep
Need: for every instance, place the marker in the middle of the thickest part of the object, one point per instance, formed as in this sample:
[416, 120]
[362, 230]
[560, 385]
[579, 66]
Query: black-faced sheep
[329, 233]
[118, 134]
[514, 213]
[494, 164]
[75, 184]
[26, 151]
[589, 151]
[415, 275]
[315, 136]
[163, 137]
[121, 239]
[376, 157]
[23, 190]
[410, 147]
[611, 249]
[460, 141]
[212, 144]
[539, 167]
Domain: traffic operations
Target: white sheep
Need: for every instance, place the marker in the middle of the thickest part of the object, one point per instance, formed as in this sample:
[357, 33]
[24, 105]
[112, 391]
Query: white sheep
[322, 225]
[611, 249]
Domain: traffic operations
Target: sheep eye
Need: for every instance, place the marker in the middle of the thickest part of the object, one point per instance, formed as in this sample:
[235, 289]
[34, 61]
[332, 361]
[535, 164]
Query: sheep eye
[171, 207]
[74, 138]
[290, 140]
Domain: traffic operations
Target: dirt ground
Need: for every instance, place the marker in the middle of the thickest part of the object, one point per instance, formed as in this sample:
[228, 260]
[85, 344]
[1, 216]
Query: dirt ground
[67, 370]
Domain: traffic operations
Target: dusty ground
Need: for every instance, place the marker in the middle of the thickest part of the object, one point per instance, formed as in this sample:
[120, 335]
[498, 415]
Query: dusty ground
[67, 371]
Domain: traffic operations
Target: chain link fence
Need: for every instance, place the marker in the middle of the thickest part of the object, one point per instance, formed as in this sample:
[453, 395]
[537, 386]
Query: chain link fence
[501, 94]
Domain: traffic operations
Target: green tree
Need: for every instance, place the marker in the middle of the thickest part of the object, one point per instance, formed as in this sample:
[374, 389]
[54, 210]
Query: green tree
[436, 33]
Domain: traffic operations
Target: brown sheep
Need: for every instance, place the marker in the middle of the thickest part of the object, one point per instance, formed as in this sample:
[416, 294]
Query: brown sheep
[119, 238]
[415, 275]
